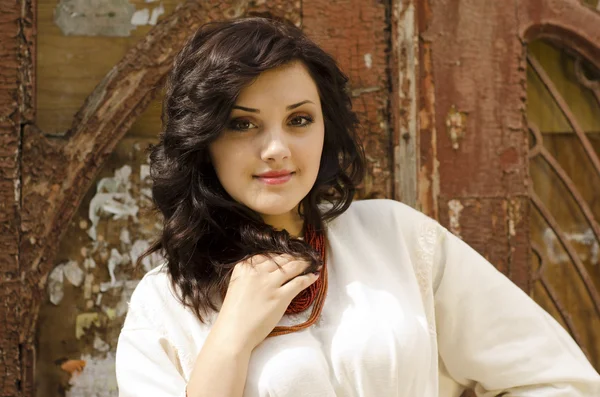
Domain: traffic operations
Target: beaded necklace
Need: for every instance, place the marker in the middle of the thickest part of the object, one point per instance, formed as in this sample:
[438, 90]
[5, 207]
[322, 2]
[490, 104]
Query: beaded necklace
[315, 293]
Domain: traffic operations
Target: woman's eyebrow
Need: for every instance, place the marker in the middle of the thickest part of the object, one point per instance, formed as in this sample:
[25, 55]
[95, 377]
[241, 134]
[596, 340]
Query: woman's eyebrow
[290, 107]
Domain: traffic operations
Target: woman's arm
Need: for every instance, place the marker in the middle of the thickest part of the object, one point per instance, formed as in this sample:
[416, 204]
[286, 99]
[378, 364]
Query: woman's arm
[495, 338]
[259, 292]
[221, 366]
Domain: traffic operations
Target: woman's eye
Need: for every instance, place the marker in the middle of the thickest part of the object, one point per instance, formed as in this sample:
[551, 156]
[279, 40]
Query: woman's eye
[241, 125]
[301, 121]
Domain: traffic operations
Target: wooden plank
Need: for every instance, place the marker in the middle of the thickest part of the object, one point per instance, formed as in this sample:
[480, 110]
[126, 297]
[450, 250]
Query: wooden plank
[10, 361]
[69, 67]
[354, 32]
[404, 100]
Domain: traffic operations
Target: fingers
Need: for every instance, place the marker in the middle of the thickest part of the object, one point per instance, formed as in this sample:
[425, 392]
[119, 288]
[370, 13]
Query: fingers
[269, 263]
[278, 268]
[297, 285]
[288, 271]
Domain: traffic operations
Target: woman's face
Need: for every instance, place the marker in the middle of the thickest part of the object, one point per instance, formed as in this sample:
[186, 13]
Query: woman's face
[268, 157]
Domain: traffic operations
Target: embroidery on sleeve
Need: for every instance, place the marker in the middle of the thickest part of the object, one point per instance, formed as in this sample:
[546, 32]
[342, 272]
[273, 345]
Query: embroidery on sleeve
[427, 236]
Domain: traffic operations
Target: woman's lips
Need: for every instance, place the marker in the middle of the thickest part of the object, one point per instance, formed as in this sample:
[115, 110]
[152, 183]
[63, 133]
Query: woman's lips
[274, 179]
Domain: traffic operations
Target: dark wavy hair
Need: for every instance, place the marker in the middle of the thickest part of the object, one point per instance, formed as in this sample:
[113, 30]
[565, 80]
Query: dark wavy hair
[205, 232]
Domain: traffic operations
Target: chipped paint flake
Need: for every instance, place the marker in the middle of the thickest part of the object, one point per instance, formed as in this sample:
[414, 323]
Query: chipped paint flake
[89, 263]
[115, 259]
[101, 345]
[111, 313]
[368, 61]
[98, 379]
[456, 124]
[87, 286]
[156, 13]
[73, 273]
[125, 237]
[454, 209]
[98, 299]
[84, 321]
[144, 172]
[140, 17]
[56, 284]
[514, 216]
[94, 18]
[112, 199]
[149, 262]
[585, 243]
[73, 366]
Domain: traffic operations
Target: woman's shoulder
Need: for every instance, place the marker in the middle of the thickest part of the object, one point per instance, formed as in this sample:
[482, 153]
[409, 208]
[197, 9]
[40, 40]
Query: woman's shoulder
[152, 298]
[384, 214]
[384, 207]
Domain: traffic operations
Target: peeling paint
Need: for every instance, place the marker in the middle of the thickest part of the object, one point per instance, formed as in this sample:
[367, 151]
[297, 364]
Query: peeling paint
[156, 13]
[365, 90]
[87, 285]
[94, 18]
[140, 17]
[89, 263]
[557, 254]
[17, 185]
[144, 172]
[368, 61]
[84, 321]
[454, 209]
[111, 313]
[145, 16]
[115, 260]
[73, 366]
[101, 345]
[456, 124]
[113, 198]
[125, 237]
[56, 284]
[73, 273]
[149, 262]
[514, 216]
[97, 379]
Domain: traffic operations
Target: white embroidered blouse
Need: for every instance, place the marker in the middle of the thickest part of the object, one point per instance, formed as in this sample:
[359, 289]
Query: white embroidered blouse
[411, 311]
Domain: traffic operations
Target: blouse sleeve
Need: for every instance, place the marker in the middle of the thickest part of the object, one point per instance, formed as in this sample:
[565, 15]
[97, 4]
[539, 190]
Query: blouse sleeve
[147, 363]
[492, 337]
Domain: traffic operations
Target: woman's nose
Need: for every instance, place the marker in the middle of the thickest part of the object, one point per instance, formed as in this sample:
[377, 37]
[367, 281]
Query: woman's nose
[275, 147]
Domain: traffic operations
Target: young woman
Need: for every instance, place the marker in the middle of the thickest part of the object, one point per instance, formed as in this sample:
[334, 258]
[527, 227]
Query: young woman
[276, 284]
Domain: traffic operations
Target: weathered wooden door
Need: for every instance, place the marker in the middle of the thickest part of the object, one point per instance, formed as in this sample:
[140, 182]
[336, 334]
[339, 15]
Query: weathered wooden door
[443, 91]
[509, 137]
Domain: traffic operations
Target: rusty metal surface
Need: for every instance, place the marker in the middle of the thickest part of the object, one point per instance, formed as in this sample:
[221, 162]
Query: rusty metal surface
[472, 127]
[355, 33]
[473, 141]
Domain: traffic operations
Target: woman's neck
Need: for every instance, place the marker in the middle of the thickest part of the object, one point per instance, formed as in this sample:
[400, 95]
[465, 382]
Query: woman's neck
[292, 222]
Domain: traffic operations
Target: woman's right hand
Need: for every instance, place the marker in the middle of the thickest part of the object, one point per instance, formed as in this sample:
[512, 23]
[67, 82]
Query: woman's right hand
[257, 297]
